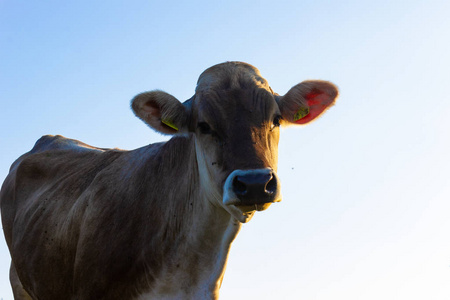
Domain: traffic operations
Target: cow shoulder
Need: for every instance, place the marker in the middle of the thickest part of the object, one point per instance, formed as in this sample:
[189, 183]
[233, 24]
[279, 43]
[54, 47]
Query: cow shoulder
[58, 142]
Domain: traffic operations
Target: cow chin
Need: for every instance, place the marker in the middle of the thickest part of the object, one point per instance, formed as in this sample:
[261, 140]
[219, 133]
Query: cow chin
[256, 207]
[244, 213]
[243, 210]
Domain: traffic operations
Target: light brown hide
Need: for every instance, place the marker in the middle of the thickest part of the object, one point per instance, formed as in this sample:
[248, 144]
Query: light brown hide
[88, 223]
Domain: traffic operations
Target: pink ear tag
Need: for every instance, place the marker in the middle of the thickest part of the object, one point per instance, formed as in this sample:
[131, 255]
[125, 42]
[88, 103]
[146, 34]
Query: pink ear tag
[170, 124]
[301, 113]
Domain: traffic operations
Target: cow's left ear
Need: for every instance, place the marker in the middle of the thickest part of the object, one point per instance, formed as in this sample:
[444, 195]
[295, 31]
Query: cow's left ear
[161, 111]
[306, 101]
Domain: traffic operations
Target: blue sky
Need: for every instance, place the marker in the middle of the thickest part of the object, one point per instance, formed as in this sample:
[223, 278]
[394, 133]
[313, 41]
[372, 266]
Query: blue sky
[366, 188]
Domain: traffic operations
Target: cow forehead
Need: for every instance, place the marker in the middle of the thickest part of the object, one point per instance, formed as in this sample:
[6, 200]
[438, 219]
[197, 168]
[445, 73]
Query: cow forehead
[231, 75]
[233, 89]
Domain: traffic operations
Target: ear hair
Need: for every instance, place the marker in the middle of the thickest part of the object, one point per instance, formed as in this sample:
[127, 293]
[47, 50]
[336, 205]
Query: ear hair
[161, 111]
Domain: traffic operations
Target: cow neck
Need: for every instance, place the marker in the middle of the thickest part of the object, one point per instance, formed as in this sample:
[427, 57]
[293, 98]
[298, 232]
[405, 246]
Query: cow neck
[220, 220]
[202, 229]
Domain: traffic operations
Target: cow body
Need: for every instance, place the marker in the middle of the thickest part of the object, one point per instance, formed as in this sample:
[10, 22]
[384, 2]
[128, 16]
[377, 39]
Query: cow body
[157, 222]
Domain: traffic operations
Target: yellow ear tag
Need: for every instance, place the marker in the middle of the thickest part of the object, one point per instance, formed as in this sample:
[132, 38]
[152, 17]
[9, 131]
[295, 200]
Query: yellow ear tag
[301, 113]
[170, 124]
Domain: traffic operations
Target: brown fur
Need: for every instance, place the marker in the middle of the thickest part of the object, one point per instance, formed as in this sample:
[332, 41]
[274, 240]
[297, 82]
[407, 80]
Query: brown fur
[89, 223]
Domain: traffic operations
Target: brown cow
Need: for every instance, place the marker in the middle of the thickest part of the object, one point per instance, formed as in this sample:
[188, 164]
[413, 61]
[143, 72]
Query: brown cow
[157, 222]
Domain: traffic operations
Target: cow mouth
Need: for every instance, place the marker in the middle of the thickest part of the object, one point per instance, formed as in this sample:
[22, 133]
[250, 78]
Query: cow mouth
[253, 208]
[248, 215]
[244, 213]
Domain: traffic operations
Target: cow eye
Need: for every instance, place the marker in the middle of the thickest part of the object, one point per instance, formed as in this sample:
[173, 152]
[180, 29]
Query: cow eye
[204, 128]
[276, 122]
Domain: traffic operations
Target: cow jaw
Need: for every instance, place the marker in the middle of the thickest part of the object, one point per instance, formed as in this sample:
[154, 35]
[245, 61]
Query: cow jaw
[242, 213]
[238, 214]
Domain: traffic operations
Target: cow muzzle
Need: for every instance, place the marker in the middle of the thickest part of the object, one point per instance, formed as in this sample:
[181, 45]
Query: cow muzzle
[248, 191]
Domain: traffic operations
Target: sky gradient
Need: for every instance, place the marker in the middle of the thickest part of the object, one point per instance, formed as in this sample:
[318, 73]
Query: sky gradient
[365, 212]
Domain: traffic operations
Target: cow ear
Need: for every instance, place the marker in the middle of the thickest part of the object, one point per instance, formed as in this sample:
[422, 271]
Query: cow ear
[306, 101]
[161, 111]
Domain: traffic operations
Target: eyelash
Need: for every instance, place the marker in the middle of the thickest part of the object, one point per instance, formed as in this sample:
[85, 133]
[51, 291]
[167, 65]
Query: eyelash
[276, 123]
[204, 128]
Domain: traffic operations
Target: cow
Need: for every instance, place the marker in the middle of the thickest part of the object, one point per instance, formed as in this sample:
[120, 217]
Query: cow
[157, 222]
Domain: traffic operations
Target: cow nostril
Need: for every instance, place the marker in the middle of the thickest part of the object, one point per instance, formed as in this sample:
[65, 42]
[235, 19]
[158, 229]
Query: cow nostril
[271, 186]
[239, 187]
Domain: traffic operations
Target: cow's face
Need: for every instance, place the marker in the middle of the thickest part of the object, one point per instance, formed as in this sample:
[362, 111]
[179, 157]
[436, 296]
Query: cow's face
[234, 118]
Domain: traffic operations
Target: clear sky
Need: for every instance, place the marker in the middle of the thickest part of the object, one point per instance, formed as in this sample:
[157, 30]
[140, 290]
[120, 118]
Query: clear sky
[366, 188]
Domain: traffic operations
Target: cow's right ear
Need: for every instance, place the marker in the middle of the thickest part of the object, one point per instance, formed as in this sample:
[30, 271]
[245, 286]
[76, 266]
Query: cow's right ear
[161, 111]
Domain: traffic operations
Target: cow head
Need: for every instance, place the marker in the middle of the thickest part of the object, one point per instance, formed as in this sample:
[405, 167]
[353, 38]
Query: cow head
[234, 118]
